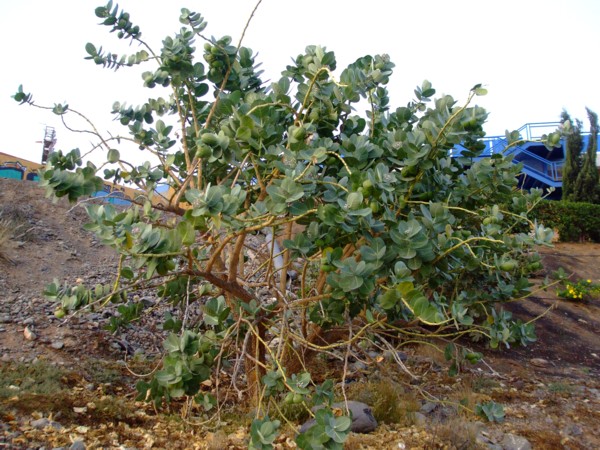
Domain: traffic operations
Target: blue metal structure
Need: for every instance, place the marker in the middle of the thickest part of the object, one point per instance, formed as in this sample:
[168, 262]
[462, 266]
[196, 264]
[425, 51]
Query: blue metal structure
[542, 168]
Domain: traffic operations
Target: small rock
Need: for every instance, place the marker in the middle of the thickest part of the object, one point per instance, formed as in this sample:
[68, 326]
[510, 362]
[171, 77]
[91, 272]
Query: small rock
[28, 321]
[420, 419]
[428, 407]
[57, 345]
[573, 430]
[40, 423]
[515, 442]
[519, 385]
[79, 409]
[359, 366]
[392, 355]
[77, 445]
[5, 318]
[476, 428]
[29, 335]
[539, 362]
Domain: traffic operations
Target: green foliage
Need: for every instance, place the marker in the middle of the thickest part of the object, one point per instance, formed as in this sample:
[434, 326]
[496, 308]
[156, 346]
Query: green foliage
[262, 433]
[459, 355]
[396, 231]
[76, 297]
[574, 145]
[579, 290]
[59, 178]
[22, 97]
[188, 362]
[586, 187]
[574, 221]
[491, 411]
[328, 432]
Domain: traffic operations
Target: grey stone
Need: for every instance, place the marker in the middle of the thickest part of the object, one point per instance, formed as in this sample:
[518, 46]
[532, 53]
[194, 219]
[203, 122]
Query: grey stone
[362, 417]
[428, 407]
[573, 430]
[77, 445]
[57, 345]
[392, 355]
[539, 362]
[5, 318]
[475, 428]
[40, 423]
[515, 442]
[420, 419]
[359, 366]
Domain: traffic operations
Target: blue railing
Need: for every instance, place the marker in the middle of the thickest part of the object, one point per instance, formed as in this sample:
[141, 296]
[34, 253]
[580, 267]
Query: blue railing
[551, 170]
[545, 170]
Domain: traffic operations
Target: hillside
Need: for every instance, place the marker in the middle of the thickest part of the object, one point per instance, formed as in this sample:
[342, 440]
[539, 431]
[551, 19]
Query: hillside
[63, 381]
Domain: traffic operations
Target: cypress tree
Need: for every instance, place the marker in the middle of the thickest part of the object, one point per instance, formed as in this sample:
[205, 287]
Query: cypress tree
[586, 186]
[574, 145]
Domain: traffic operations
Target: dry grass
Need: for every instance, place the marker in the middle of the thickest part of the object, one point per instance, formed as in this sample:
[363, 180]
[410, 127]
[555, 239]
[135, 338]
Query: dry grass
[6, 235]
[13, 226]
[465, 394]
[433, 352]
[455, 433]
[390, 401]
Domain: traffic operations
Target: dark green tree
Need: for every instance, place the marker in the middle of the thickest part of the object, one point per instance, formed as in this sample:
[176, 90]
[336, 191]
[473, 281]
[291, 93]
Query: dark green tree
[586, 186]
[574, 146]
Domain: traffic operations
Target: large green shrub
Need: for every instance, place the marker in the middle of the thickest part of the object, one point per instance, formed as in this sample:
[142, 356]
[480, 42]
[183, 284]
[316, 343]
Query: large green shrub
[574, 221]
[399, 237]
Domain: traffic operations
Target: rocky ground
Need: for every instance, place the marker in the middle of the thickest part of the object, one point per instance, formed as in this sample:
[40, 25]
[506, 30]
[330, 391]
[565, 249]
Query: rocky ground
[70, 383]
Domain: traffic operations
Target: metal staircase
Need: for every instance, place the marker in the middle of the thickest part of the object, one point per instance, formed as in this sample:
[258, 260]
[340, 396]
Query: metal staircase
[541, 167]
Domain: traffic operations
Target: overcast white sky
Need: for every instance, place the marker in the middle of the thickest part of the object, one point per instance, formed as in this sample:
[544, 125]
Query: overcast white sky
[536, 57]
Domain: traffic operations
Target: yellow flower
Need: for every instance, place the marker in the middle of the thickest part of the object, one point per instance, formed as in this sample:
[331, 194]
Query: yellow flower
[589, 281]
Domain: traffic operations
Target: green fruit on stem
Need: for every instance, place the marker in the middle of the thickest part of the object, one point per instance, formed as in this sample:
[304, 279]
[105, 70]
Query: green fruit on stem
[331, 161]
[209, 139]
[508, 265]
[327, 268]
[203, 151]
[298, 133]
[409, 171]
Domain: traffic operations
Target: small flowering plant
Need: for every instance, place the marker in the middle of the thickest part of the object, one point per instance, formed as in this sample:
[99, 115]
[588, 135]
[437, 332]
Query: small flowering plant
[580, 290]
